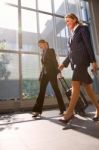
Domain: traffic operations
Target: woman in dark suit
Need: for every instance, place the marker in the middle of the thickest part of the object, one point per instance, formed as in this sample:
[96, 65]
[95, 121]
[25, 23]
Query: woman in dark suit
[48, 74]
[80, 56]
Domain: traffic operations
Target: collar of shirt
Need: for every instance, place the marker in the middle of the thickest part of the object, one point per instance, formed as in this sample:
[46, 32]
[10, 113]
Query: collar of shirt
[44, 51]
[75, 28]
[73, 32]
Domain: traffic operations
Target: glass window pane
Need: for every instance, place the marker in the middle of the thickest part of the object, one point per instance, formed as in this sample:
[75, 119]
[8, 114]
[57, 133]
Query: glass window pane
[29, 3]
[59, 7]
[45, 5]
[11, 1]
[46, 28]
[61, 36]
[29, 31]
[84, 11]
[30, 75]
[9, 76]
[8, 28]
[73, 6]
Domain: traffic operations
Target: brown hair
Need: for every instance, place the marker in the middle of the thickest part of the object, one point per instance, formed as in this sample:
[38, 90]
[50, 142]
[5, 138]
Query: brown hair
[72, 16]
[43, 41]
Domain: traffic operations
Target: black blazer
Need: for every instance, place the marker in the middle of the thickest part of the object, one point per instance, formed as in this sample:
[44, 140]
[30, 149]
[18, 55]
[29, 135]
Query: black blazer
[81, 51]
[50, 63]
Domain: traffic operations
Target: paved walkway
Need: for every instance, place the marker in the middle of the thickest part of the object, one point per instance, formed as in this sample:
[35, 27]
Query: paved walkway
[19, 131]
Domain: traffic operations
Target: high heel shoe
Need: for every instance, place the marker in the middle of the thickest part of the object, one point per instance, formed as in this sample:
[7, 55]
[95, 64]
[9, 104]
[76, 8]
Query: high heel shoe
[66, 120]
[96, 118]
[36, 114]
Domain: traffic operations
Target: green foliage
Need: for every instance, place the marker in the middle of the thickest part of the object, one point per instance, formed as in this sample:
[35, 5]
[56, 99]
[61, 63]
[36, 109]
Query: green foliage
[30, 88]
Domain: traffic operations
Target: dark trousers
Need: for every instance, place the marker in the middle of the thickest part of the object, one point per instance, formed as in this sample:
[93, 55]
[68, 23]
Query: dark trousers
[40, 99]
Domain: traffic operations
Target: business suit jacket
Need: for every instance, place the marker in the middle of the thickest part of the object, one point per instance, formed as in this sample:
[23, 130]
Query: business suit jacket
[50, 64]
[49, 74]
[81, 51]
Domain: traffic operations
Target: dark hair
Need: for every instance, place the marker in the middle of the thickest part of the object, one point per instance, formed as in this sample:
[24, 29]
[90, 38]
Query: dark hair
[72, 16]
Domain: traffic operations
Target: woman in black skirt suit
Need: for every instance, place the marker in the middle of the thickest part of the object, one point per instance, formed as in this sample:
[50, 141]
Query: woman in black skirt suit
[80, 56]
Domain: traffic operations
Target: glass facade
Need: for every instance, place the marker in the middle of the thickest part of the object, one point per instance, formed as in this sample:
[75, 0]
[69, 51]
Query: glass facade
[9, 76]
[8, 27]
[22, 24]
[59, 7]
[30, 75]
[29, 31]
[45, 6]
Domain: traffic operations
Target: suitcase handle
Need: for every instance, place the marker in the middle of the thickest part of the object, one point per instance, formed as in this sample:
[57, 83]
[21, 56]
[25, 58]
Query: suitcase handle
[62, 79]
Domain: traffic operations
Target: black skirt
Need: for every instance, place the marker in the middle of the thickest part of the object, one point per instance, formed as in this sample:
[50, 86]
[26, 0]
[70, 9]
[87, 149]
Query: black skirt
[81, 74]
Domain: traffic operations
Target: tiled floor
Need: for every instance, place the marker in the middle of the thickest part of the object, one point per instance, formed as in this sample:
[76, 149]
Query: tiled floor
[19, 131]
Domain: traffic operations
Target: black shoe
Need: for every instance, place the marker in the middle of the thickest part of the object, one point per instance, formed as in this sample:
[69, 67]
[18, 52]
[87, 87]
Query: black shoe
[36, 114]
[96, 118]
[61, 113]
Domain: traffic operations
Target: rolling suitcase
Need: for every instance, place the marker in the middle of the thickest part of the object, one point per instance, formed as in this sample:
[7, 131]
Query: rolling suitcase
[81, 103]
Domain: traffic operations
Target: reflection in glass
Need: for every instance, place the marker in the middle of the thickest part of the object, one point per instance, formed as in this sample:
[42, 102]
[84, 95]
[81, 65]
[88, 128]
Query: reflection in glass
[30, 75]
[46, 28]
[73, 6]
[29, 31]
[61, 39]
[84, 12]
[9, 76]
[28, 3]
[8, 27]
[59, 7]
[45, 5]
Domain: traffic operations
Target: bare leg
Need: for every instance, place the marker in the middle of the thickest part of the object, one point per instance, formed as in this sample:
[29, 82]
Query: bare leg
[74, 98]
[92, 95]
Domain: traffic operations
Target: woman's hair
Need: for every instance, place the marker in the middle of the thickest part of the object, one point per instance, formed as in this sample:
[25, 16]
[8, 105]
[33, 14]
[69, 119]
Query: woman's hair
[43, 41]
[72, 16]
